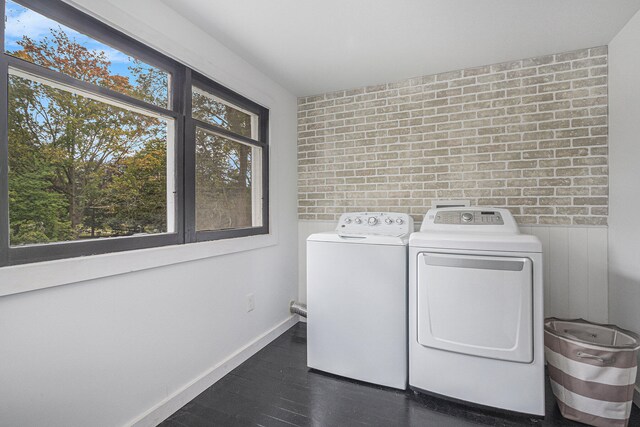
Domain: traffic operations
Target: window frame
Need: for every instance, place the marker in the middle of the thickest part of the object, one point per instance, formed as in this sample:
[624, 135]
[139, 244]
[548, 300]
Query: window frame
[179, 93]
[234, 99]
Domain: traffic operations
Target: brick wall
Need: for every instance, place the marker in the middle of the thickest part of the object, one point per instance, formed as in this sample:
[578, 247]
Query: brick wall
[530, 135]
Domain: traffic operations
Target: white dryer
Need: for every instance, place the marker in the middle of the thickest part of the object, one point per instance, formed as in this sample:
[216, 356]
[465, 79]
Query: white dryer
[357, 298]
[476, 309]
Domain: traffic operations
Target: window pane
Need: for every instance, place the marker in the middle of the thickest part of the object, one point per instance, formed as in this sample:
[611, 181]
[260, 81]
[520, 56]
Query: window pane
[35, 38]
[84, 169]
[227, 192]
[208, 108]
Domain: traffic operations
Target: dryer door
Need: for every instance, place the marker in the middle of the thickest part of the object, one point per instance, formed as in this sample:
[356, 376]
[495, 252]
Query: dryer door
[477, 305]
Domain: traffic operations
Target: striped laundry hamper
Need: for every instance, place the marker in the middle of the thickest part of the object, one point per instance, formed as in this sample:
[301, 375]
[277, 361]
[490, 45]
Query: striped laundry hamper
[592, 369]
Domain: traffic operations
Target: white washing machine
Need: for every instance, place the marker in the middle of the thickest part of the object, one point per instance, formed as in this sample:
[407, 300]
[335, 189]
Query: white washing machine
[476, 310]
[357, 298]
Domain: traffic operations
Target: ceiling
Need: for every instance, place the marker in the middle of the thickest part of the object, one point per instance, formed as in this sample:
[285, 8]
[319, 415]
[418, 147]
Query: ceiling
[311, 47]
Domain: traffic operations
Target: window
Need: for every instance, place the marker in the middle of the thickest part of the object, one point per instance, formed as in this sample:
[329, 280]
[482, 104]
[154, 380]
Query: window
[82, 168]
[210, 109]
[230, 158]
[35, 38]
[111, 146]
[225, 183]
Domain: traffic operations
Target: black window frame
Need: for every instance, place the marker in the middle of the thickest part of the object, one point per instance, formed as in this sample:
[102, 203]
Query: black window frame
[179, 92]
[234, 99]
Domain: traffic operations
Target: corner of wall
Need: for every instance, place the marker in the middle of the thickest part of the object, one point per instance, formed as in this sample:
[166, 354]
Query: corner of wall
[624, 92]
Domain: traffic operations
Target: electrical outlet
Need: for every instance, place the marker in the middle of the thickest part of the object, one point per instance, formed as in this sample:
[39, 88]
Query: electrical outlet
[251, 302]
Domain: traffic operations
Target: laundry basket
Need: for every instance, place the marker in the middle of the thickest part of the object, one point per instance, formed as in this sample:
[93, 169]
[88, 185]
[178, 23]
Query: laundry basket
[592, 369]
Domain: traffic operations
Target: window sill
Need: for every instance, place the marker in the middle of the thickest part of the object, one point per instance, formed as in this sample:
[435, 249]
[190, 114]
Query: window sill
[29, 277]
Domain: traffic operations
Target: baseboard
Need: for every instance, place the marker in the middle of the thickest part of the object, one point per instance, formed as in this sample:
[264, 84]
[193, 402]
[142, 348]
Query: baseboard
[181, 397]
[302, 319]
[636, 396]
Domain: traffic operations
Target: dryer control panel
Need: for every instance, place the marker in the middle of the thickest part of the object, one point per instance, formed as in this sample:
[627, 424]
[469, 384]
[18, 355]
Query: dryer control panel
[375, 223]
[473, 219]
[488, 217]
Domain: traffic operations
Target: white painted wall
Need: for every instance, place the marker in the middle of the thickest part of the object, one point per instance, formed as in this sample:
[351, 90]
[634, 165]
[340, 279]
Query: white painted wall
[105, 351]
[624, 175]
[575, 268]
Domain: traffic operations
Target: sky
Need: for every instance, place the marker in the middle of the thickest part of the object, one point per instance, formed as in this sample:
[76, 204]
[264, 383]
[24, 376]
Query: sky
[21, 21]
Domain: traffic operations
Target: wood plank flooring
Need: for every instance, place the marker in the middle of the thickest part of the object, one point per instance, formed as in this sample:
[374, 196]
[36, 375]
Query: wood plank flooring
[275, 388]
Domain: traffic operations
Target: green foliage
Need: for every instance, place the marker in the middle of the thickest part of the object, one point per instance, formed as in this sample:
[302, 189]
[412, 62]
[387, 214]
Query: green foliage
[80, 168]
[35, 211]
[138, 190]
[69, 155]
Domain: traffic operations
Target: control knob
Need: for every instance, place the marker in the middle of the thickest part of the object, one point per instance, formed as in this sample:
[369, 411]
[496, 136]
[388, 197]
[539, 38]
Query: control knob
[347, 220]
[467, 217]
[388, 221]
[373, 220]
[399, 221]
[358, 220]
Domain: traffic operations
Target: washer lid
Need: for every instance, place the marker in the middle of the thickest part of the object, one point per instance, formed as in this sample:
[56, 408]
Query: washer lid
[362, 239]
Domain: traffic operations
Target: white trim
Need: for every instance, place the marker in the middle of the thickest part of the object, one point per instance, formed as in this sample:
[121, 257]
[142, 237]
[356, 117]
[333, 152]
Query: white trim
[171, 172]
[162, 410]
[256, 186]
[207, 94]
[29, 277]
[87, 94]
[636, 397]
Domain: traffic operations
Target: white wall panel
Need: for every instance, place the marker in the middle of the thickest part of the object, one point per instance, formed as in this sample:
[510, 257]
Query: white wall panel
[598, 275]
[578, 272]
[575, 268]
[543, 234]
[558, 285]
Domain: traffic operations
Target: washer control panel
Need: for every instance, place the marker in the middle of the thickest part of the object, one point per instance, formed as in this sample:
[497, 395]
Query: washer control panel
[375, 223]
[471, 217]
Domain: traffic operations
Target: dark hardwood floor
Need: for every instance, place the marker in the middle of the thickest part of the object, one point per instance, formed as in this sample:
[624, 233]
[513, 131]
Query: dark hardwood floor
[275, 388]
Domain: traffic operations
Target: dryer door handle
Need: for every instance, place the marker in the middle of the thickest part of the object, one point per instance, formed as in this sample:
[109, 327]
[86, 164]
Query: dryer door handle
[483, 264]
